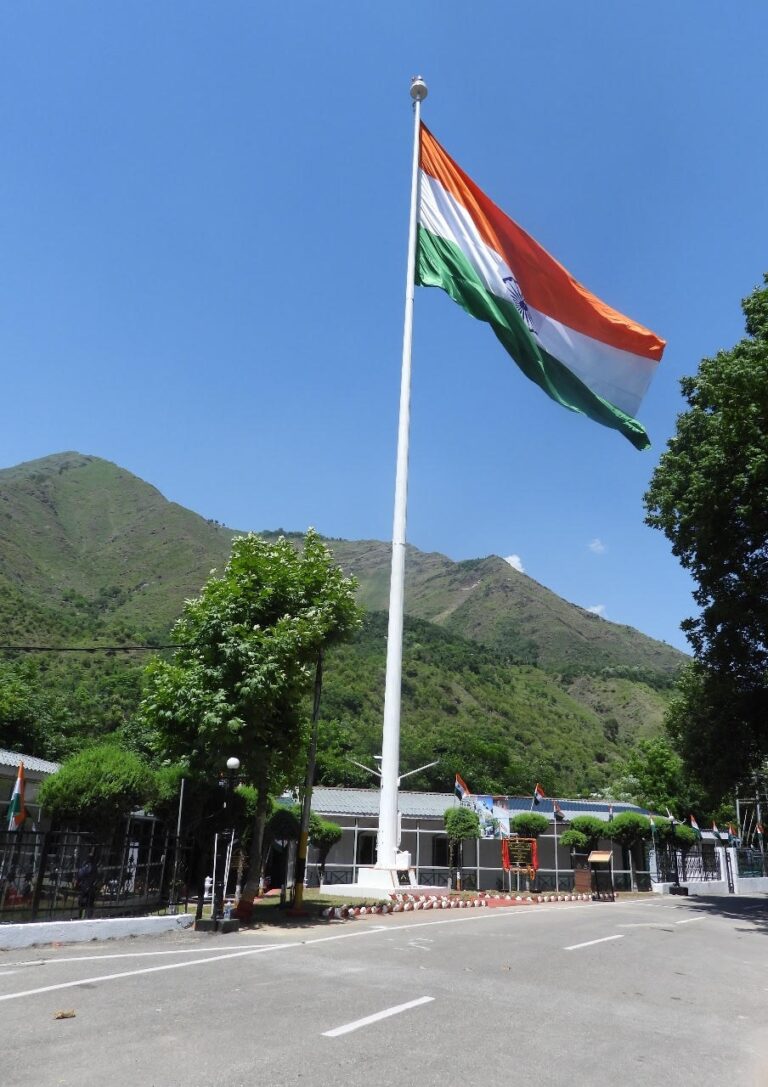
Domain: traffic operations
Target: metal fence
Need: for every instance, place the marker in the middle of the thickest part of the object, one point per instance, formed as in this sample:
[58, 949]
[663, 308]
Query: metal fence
[751, 862]
[43, 875]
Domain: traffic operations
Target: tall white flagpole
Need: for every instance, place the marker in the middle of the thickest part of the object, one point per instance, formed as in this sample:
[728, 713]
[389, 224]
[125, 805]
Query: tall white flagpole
[388, 838]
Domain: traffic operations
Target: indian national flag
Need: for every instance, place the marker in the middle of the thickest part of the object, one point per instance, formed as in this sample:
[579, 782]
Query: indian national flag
[17, 813]
[460, 787]
[538, 794]
[581, 352]
[694, 825]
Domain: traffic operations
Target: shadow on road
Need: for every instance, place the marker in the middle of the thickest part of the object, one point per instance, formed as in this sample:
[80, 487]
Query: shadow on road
[752, 909]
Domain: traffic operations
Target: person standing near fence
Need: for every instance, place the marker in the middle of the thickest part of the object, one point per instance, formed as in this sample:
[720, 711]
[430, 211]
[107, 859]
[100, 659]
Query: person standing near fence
[87, 885]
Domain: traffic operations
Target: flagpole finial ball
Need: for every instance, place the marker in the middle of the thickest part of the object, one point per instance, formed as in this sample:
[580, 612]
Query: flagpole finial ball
[419, 89]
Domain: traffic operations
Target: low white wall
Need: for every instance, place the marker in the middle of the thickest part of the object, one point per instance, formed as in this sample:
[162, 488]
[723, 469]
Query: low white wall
[101, 928]
[746, 885]
[705, 887]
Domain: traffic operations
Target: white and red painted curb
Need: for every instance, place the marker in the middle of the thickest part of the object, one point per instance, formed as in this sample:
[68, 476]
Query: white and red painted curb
[405, 903]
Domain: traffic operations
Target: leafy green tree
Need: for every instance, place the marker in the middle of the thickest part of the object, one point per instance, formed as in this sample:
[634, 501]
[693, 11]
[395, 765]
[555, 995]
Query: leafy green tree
[630, 829]
[574, 839]
[460, 824]
[30, 721]
[529, 824]
[323, 834]
[709, 495]
[98, 787]
[249, 646]
[591, 827]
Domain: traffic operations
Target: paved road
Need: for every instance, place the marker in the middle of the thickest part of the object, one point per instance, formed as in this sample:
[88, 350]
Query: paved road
[635, 993]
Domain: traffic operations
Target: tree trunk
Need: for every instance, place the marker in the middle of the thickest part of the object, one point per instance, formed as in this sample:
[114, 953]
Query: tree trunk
[253, 884]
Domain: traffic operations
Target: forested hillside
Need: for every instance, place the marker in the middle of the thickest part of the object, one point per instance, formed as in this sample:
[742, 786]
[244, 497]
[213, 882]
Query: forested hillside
[502, 679]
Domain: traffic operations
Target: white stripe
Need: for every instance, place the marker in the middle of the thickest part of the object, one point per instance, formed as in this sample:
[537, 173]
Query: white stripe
[589, 943]
[375, 1018]
[620, 377]
[689, 920]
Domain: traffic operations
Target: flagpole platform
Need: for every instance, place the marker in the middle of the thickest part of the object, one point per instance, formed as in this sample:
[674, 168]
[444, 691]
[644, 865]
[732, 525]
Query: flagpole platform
[375, 882]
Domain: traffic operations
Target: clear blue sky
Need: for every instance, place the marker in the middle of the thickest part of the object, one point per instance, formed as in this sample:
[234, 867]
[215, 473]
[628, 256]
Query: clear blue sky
[203, 222]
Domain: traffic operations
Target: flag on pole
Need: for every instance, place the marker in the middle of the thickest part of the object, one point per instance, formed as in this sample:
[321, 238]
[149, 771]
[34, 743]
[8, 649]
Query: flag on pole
[538, 794]
[583, 354]
[17, 813]
[731, 834]
[460, 788]
[610, 813]
[759, 833]
[715, 829]
[558, 811]
[694, 826]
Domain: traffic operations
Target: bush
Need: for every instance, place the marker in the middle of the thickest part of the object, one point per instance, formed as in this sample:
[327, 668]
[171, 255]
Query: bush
[529, 824]
[575, 839]
[629, 827]
[98, 787]
[591, 827]
[461, 823]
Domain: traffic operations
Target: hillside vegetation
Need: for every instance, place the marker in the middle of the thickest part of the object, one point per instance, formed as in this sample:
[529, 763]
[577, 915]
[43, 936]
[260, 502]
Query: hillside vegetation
[500, 674]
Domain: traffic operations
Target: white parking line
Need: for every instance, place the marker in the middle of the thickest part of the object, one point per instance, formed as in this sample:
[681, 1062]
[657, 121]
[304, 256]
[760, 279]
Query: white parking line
[375, 1018]
[589, 943]
[689, 920]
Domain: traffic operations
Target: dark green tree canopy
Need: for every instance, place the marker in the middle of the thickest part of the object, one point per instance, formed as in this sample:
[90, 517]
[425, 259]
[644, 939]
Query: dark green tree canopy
[98, 787]
[629, 827]
[591, 827]
[709, 495]
[461, 823]
[249, 645]
[529, 824]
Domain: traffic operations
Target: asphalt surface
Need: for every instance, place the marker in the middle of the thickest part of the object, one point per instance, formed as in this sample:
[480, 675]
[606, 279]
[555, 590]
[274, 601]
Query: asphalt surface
[634, 993]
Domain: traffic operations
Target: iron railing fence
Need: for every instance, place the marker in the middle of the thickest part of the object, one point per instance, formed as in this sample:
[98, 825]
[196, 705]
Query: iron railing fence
[751, 862]
[39, 872]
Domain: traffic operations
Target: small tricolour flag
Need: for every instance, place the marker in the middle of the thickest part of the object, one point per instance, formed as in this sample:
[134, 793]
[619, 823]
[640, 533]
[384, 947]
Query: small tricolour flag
[583, 354]
[731, 833]
[17, 813]
[694, 825]
[558, 811]
[715, 829]
[759, 833]
[610, 813]
[460, 787]
[538, 794]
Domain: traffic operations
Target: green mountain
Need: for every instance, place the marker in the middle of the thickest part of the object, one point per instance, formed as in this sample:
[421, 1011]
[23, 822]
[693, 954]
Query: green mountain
[500, 675]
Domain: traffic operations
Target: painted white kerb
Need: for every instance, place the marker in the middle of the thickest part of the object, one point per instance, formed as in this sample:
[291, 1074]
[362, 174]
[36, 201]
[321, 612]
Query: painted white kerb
[77, 932]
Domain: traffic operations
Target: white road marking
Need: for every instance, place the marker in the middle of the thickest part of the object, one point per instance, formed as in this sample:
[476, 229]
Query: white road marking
[146, 970]
[348, 1027]
[689, 920]
[589, 943]
[129, 955]
[479, 915]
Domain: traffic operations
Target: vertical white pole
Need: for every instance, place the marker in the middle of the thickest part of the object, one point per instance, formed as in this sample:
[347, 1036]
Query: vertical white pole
[557, 868]
[390, 748]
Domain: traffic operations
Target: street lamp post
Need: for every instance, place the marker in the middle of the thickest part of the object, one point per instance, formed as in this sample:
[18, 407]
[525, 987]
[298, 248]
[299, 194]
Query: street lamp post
[219, 865]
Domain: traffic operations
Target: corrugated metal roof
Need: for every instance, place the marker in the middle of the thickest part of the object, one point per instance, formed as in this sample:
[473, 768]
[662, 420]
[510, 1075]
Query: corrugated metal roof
[340, 801]
[332, 801]
[37, 766]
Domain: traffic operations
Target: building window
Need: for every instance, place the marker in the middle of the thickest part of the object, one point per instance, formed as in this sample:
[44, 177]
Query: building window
[440, 851]
[366, 848]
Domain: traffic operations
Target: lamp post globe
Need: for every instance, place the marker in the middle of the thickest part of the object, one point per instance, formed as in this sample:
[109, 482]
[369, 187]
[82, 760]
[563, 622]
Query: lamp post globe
[233, 763]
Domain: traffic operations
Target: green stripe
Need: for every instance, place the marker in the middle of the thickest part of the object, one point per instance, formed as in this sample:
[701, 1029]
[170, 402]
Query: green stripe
[440, 263]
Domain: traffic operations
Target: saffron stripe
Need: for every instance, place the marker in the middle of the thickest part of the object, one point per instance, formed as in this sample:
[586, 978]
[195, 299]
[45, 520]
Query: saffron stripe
[547, 286]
